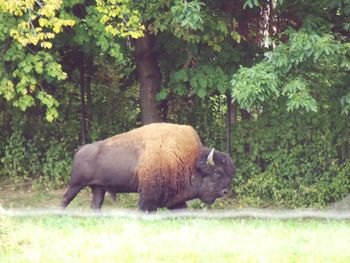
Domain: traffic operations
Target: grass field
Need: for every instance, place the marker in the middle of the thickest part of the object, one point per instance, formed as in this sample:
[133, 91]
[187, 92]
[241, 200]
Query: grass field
[150, 238]
[111, 239]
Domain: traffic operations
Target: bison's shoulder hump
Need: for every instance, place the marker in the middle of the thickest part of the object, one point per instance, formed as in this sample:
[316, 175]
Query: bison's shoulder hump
[169, 155]
[157, 134]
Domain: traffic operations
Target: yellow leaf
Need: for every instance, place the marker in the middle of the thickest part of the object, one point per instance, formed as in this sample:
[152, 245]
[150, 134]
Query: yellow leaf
[31, 88]
[57, 28]
[14, 33]
[136, 34]
[50, 35]
[43, 22]
[45, 44]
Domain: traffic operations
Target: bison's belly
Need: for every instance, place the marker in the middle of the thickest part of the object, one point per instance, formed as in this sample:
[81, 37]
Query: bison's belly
[121, 189]
[115, 181]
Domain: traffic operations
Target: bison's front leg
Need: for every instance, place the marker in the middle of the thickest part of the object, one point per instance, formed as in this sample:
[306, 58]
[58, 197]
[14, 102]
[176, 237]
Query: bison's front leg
[147, 204]
[98, 195]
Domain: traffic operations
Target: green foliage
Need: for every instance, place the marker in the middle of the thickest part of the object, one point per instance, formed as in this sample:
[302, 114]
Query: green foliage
[90, 30]
[28, 157]
[56, 166]
[285, 70]
[292, 160]
[298, 95]
[202, 81]
[187, 14]
[250, 3]
[51, 104]
[345, 103]
[195, 22]
[20, 161]
[120, 19]
[37, 21]
[23, 162]
[290, 184]
[252, 86]
[23, 77]
[24, 66]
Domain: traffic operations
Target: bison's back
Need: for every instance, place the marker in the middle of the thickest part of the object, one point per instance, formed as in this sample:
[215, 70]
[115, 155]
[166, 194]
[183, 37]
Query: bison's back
[156, 133]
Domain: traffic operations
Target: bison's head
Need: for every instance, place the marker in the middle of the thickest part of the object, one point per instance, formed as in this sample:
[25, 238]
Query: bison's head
[216, 171]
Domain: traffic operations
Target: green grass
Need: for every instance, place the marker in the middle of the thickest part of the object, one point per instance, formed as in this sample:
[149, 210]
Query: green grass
[110, 239]
[148, 239]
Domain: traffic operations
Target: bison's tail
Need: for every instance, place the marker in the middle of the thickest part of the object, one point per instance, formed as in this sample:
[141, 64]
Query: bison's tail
[70, 195]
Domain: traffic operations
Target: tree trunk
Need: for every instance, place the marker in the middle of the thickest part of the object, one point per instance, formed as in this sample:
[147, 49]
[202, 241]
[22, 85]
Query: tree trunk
[88, 96]
[82, 101]
[228, 122]
[148, 72]
[246, 116]
[272, 22]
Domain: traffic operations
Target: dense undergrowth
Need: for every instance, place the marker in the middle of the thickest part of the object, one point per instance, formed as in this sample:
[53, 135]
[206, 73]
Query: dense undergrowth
[284, 159]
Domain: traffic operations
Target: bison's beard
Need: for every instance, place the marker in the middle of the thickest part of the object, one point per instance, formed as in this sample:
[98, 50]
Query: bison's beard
[209, 200]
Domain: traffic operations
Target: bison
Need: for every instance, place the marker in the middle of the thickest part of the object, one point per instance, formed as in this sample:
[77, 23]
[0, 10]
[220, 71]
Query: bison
[165, 163]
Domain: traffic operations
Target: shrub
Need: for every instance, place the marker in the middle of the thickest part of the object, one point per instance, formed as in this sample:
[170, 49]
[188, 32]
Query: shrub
[21, 160]
[292, 160]
[56, 166]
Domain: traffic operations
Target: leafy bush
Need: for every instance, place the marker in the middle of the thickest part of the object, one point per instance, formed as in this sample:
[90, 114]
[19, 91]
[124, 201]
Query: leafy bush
[271, 188]
[292, 160]
[20, 161]
[56, 166]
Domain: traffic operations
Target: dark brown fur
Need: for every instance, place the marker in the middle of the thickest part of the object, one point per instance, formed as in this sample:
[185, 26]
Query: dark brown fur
[167, 156]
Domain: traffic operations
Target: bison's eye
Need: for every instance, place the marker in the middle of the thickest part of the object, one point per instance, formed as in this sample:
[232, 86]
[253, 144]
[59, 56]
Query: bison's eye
[218, 174]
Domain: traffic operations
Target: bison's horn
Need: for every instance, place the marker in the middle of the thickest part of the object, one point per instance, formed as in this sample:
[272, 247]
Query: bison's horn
[210, 159]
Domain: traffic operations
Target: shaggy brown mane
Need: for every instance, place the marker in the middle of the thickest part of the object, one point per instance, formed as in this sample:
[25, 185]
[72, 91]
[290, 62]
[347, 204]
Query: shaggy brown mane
[168, 156]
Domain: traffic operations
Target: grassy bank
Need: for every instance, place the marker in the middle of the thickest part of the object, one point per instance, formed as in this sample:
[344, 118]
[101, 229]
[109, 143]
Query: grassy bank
[110, 239]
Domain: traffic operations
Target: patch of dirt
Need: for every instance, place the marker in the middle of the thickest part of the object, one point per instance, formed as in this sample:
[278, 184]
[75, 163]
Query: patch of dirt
[24, 195]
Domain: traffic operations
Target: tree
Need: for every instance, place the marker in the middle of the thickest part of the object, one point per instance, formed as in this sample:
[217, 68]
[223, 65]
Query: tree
[27, 30]
[90, 40]
[185, 50]
[148, 73]
[286, 70]
[200, 44]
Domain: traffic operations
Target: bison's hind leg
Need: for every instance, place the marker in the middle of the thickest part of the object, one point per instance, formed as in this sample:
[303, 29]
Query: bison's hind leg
[98, 195]
[114, 197]
[70, 194]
